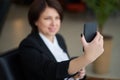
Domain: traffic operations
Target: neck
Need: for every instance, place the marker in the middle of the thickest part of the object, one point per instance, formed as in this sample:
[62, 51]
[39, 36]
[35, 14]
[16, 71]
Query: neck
[51, 38]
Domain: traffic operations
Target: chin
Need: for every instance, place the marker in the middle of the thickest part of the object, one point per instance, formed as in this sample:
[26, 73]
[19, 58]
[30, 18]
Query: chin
[53, 34]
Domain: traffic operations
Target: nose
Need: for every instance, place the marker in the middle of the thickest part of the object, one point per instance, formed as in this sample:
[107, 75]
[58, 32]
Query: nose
[53, 22]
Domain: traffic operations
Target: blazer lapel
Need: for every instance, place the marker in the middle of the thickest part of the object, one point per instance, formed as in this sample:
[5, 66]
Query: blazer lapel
[43, 47]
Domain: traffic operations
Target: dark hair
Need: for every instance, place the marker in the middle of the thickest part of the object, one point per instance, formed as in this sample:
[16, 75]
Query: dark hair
[38, 6]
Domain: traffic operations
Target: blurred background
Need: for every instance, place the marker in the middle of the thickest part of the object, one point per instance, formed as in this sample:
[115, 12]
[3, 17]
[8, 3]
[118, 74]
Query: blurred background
[14, 27]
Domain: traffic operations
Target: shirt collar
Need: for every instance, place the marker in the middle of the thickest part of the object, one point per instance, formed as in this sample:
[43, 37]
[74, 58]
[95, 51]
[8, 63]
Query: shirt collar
[47, 41]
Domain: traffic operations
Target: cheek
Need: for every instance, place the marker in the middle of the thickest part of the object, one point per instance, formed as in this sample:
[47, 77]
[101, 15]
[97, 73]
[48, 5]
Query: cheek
[41, 27]
[42, 24]
[58, 26]
[59, 23]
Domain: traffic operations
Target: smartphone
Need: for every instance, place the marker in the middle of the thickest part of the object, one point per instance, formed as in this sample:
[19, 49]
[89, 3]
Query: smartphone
[90, 30]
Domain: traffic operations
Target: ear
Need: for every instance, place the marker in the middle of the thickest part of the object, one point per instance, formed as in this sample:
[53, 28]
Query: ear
[36, 23]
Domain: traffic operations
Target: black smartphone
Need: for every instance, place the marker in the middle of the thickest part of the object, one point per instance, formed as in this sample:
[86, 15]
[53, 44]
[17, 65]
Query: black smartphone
[90, 30]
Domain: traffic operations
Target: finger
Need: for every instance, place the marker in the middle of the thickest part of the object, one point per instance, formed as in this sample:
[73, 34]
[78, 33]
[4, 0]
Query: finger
[83, 41]
[82, 72]
[101, 41]
[83, 69]
[81, 75]
[97, 37]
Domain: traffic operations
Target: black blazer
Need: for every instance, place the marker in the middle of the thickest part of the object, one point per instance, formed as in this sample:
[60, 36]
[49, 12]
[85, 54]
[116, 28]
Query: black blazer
[38, 62]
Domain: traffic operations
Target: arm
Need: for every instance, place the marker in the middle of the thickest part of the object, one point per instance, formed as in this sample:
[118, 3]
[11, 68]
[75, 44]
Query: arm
[35, 61]
[92, 51]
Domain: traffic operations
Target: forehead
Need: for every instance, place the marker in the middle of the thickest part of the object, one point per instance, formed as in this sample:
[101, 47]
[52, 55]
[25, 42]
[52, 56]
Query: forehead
[50, 11]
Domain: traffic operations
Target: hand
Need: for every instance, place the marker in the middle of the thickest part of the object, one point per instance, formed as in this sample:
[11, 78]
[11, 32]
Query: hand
[93, 49]
[80, 75]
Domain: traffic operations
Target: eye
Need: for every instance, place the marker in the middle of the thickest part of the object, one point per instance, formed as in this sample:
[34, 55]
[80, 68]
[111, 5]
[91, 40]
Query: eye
[47, 18]
[58, 18]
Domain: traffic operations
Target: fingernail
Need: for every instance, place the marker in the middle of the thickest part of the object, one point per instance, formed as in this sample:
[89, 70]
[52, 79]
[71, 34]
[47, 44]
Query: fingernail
[81, 34]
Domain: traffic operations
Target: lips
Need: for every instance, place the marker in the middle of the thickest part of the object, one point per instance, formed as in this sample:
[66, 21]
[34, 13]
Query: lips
[52, 29]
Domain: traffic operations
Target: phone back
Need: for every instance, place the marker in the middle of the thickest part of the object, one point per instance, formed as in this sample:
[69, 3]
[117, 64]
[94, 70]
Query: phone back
[90, 31]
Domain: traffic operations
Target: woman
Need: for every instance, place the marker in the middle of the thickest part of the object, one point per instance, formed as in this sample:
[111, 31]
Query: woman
[44, 54]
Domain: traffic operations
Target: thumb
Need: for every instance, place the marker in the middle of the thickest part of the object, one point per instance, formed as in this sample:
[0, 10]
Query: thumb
[83, 41]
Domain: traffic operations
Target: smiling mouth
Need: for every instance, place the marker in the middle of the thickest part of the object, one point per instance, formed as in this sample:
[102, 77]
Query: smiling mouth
[52, 29]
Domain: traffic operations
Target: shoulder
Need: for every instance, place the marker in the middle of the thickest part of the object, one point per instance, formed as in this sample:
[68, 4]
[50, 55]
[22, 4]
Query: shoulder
[60, 37]
[30, 40]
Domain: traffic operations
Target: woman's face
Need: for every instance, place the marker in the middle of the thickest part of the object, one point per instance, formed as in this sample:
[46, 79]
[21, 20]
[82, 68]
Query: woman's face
[49, 22]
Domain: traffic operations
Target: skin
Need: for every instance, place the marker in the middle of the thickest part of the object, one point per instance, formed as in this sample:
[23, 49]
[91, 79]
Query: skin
[91, 52]
[49, 24]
